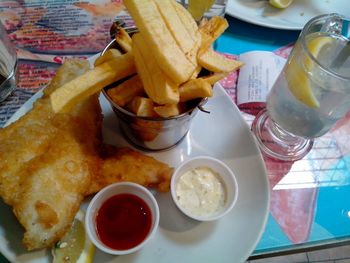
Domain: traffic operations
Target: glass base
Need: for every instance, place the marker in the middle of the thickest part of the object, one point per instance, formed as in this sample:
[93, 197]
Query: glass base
[278, 143]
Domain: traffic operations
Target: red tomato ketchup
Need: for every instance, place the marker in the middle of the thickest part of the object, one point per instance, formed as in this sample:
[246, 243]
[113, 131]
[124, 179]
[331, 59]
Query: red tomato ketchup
[123, 221]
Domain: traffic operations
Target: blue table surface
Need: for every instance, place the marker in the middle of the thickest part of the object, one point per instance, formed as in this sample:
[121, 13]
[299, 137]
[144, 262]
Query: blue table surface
[242, 37]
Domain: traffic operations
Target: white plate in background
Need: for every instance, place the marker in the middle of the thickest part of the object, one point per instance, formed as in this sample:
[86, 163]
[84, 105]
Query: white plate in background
[294, 17]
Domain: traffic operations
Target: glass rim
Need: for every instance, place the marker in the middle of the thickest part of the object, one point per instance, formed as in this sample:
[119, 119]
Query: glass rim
[313, 58]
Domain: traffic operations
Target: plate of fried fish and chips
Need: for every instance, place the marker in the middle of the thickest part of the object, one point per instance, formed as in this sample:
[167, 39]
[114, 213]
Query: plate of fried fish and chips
[64, 145]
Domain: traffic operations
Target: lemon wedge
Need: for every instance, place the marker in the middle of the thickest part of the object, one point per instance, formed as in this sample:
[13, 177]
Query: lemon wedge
[75, 246]
[297, 78]
[280, 3]
[197, 8]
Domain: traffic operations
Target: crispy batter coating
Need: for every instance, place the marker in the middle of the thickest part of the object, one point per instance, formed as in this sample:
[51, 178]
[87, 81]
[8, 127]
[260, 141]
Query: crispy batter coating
[50, 162]
[124, 164]
[31, 135]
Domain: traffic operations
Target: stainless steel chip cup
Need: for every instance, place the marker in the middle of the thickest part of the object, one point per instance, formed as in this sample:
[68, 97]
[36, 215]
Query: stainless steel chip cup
[153, 134]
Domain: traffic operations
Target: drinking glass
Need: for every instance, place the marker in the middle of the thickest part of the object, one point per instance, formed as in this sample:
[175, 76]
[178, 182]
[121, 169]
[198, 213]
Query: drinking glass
[311, 93]
[8, 65]
[204, 8]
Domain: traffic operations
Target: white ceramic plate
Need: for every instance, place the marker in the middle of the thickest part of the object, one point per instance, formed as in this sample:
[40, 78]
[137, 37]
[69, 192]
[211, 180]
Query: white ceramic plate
[294, 17]
[223, 134]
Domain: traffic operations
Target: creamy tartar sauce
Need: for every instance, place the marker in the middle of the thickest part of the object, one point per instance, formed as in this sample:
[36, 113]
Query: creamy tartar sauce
[201, 192]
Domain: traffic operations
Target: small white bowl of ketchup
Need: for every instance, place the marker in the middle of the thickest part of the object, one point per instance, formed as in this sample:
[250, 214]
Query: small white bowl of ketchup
[122, 218]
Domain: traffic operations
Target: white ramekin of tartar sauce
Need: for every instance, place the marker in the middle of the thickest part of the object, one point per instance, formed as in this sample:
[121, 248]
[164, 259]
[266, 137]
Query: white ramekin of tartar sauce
[204, 188]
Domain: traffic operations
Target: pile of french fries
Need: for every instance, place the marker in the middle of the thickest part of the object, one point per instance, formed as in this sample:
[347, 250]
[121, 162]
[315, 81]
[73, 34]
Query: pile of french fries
[163, 63]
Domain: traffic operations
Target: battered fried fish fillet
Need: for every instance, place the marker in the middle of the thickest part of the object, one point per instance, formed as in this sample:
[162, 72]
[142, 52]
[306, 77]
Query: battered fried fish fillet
[124, 164]
[46, 161]
[31, 135]
[50, 162]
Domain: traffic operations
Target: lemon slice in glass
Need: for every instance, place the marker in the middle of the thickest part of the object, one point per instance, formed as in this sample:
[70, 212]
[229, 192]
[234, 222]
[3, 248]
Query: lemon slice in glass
[75, 246]
[197, 8]
[280, 3]
[297, 78]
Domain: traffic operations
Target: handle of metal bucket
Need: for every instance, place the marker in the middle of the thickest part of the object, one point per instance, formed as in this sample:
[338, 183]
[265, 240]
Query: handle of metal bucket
[119, 23]
[200, 105]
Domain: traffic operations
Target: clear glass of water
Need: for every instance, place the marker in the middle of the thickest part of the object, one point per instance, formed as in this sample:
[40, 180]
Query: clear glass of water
[204, 8]
[8, 65]
[312, 92]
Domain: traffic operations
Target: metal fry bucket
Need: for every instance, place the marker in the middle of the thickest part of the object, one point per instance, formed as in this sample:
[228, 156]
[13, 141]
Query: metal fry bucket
[153, 134]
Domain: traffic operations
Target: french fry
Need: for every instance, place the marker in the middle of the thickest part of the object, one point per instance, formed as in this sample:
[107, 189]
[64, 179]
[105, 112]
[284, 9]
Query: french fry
[126, 91]
[178, 29]
[210, 31]
[196, 72]
[203, 21]
[142, 69]
[64, 98]
[215, 77]
[162, 44]
[215, 62]
[192, 28]
[195, 88]
[167, 54]
[168, 110]
[190, 24]
[143, 107]
[157, 85]
[108, 55]
[123, 39]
